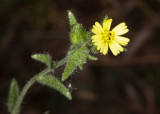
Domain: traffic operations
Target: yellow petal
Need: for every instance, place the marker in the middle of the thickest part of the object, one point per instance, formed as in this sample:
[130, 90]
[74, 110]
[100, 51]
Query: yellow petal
[117, 46]
[122, 40]
[102, 48]
[96, 36]
[98, 47]
[99, 26]
[97, 43]
[120, 29]
[107, 24]
[95, 31]
[97, 39]
[113, 49]
[121, 32]
[105, 50]
[98, 30]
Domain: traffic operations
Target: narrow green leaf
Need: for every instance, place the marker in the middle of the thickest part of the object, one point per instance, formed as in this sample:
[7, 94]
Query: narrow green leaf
[76, 59]
[13, 95]
[70, 67]
[53, 82]
[92, 58]
[44, 58]
[72, 19]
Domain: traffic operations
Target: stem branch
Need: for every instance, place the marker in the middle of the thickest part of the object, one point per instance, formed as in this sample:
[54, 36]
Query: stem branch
[61, 62]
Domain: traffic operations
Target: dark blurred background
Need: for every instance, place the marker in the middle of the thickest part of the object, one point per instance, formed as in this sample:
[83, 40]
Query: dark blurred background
[126, 84]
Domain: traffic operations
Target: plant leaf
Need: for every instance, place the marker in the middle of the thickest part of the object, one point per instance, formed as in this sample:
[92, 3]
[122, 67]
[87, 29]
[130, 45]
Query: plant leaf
[78, 34]
[44, 58]
[92, 58]
[72, 19]
[13, 95]
[70, 67]
[53, 82]
[77, 58]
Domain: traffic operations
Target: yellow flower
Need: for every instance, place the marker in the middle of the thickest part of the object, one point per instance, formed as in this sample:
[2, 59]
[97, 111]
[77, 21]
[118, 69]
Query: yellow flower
[105, 38]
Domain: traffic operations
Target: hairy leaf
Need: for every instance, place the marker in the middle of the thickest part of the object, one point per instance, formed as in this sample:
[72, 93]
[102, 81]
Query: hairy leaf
[92, 58]
[13, 95]
[72, 19]
[76, 58]
[53, 82]
[44, 58]
[70, 67]
[78, 34]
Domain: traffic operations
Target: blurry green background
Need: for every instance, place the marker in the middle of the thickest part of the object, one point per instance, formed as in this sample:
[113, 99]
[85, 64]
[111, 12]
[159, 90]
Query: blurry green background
[127, 84]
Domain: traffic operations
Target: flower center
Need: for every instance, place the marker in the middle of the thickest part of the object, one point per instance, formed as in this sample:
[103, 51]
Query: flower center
[108, 36]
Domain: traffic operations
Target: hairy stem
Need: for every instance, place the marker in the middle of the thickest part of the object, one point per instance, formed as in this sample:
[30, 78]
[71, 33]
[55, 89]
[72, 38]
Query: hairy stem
[16, 108]
[61, 62]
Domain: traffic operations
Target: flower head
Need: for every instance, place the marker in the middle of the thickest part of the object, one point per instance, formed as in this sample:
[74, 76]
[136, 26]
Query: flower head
[105, 38]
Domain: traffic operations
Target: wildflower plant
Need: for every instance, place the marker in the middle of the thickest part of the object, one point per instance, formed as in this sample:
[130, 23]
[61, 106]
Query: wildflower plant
[83, 44]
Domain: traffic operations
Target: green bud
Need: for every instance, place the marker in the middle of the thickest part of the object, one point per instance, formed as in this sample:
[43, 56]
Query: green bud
[78, 34]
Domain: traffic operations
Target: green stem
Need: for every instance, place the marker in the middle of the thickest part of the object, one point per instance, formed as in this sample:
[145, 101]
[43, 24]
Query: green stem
[16, 108]
[61, 62]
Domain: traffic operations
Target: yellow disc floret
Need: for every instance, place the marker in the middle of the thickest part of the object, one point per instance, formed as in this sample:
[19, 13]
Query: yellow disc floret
[105, 38]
